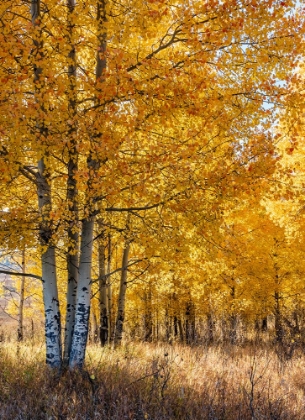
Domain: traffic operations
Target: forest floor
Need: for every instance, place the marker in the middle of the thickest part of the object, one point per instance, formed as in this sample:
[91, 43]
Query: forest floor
[154, 381]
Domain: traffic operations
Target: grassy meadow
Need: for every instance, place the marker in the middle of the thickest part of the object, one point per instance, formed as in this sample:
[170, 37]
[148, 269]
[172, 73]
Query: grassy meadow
[154, 381]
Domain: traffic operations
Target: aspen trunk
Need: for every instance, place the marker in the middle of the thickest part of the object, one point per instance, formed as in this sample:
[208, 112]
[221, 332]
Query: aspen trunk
[189, 322]
[175, 326]
[210, 328]
[81, 328]
[48, 259]
[261, 324]
[109, 291]
[82, 312]
[167, 324]
[103, 295]
[51, 307]
[94, 327]
[233, 319]
[72, 268]
[297, 323]
[73, 236]
[119, 325]
[279, 331]
[157, 322]
[21, 301]
[148, 324]
[180, 329]
[49, 278]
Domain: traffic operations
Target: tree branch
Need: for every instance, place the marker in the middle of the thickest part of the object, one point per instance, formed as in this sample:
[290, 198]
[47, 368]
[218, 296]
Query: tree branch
[13, 273]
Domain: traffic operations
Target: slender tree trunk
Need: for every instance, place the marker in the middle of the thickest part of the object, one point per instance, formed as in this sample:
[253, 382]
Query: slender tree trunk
[49, 278]
[232, 319]
[48, 259]
[73, 235]
[180, 329]
[148, 324]
[210, 327]
[167, 324]
[190, 322]
[72, 268]
[21, 301]
[103, 294]
[51, 307]
[109, 291]
[32, 331]
[279, 331]
[94, 327]
[265, 324]
[82, 313]
[177, 322]
[297, 323]
[156, 336]
[119, 325]
[175, 326]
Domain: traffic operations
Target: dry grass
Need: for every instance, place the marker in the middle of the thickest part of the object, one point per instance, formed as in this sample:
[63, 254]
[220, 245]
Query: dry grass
[154, 381]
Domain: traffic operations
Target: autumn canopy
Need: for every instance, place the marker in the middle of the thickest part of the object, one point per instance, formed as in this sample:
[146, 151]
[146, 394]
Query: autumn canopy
[148, 129]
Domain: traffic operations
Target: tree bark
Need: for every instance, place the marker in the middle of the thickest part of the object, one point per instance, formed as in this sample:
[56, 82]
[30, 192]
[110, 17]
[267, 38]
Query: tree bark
[167, 324]
[21, 301]
[279, 331]
[49, 278]
[180, 329]
[189, 322]
[119, 325]
[232, 318]
[265, 324]
[148, 324]
[82, 313]
[83, 294]
[109, 292]
[103, 295]
[48, 259]
[73, 235]
[81, 327]
[94, 327]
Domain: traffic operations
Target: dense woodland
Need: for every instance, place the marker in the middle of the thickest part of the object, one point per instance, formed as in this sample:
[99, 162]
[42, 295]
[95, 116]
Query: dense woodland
[151, 171]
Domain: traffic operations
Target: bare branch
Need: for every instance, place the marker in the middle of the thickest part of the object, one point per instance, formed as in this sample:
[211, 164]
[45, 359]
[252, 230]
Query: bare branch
[13, 273]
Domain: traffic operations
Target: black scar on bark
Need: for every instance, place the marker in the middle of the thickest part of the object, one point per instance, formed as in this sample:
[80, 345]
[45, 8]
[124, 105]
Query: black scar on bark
[50, 356]
[81, 307]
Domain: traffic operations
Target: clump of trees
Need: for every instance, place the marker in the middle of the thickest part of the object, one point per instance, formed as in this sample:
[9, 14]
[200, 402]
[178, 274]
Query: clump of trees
[135, 139]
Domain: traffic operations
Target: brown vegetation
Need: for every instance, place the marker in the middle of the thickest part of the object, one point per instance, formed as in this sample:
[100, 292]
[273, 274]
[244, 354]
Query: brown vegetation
[154, 381]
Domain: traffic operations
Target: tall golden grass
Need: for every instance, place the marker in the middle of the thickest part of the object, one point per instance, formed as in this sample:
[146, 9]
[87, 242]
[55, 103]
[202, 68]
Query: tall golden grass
[154, 381]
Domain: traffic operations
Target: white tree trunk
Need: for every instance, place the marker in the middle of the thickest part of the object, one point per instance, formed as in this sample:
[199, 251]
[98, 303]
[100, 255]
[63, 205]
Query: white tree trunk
[48, 260]
[49, 278]
[51, 307]
[82, 313]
